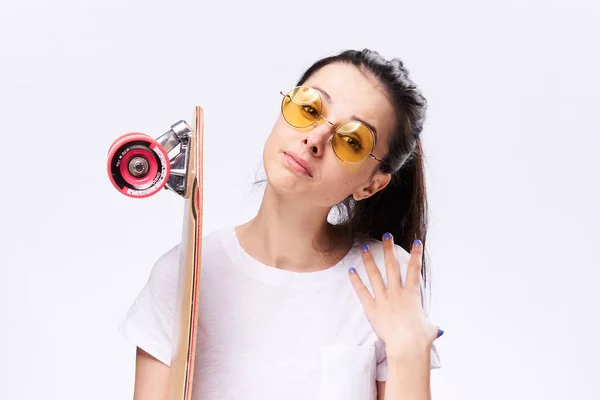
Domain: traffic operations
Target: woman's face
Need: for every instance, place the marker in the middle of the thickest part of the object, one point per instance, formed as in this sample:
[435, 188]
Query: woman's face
[347, 93]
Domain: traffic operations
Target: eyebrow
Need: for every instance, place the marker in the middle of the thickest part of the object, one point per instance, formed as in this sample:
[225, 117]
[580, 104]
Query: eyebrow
[328, 99]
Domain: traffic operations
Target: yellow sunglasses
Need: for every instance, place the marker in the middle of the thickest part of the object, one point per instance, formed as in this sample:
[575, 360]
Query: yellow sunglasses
[352, 141]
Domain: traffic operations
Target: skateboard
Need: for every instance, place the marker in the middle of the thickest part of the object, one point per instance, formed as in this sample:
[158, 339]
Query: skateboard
[139, 167]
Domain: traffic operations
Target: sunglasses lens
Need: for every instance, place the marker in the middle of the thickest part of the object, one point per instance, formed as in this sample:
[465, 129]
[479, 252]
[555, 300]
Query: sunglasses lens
[301, 107]
[353, 142]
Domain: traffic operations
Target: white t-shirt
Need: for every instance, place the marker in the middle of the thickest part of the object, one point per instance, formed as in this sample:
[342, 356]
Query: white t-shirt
[266, 333]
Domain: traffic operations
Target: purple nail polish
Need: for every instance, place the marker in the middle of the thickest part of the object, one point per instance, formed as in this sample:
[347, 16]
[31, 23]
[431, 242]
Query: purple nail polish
[352, 270]
[440, 332]
[387, 236]
[417, 242]
[365, 248]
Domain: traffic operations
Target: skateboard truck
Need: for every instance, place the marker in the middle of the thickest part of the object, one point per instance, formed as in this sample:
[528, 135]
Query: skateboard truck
[178, 135]
[139, 166]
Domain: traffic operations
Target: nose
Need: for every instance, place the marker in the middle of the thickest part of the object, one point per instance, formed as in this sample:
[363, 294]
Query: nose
[318, 138]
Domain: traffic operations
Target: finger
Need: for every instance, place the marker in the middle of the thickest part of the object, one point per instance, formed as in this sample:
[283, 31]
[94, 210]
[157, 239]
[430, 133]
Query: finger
[373, 272]
[361, 290]
[414, 265]
[392, 269]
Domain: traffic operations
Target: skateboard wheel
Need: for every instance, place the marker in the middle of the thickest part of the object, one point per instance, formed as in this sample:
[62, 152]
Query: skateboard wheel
[118, 140]
[137, 165]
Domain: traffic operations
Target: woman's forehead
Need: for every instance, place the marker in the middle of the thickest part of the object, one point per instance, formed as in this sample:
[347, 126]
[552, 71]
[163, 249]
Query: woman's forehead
[348, 89]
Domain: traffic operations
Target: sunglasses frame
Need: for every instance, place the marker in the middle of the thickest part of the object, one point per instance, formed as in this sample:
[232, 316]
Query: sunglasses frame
[321, 116]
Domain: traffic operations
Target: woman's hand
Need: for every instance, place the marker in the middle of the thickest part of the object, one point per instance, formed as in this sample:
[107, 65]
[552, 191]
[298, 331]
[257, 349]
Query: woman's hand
[395, 312]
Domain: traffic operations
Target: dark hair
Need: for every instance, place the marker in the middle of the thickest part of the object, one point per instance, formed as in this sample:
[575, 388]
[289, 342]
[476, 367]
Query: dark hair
[401, 207]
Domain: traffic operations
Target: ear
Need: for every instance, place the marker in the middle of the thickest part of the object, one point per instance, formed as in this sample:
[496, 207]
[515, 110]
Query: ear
[377, 182]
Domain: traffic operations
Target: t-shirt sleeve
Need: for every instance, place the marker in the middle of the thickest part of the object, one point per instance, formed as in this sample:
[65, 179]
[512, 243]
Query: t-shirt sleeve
[149, 321]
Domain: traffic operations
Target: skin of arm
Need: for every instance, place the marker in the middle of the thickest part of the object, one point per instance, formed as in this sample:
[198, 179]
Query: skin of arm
[406, 380]
[151, 378]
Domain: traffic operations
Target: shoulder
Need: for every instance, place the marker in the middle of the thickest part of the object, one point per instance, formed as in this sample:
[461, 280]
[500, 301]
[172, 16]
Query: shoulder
[210, 241]
[217, 241]
[166, 267]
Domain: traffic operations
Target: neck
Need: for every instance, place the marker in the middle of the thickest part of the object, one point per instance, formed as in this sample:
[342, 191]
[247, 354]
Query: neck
[292, 235]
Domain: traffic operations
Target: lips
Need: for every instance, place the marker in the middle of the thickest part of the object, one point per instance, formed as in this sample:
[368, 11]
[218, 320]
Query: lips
[301, 162]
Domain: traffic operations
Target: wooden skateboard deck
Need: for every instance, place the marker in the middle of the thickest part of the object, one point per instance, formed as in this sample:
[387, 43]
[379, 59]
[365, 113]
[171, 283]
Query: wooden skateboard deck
[139, 166]
[184, 345]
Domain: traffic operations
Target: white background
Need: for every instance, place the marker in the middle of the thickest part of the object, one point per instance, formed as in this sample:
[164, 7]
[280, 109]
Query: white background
[512, 140]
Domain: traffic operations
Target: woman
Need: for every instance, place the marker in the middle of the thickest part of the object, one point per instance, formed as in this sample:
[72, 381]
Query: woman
[292, 305]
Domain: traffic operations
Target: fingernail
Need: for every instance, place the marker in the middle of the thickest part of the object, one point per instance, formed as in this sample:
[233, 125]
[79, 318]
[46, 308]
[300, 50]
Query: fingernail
[417, 242]
[387, 236]
[352, 270]
[440, 332]
[365, 248]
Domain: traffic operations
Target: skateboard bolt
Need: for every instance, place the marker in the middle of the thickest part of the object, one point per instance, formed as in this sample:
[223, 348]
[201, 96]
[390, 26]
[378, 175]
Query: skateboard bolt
[138, 166]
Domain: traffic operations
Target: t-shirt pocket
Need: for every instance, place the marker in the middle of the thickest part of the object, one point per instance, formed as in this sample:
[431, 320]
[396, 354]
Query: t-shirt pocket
[348, 372]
